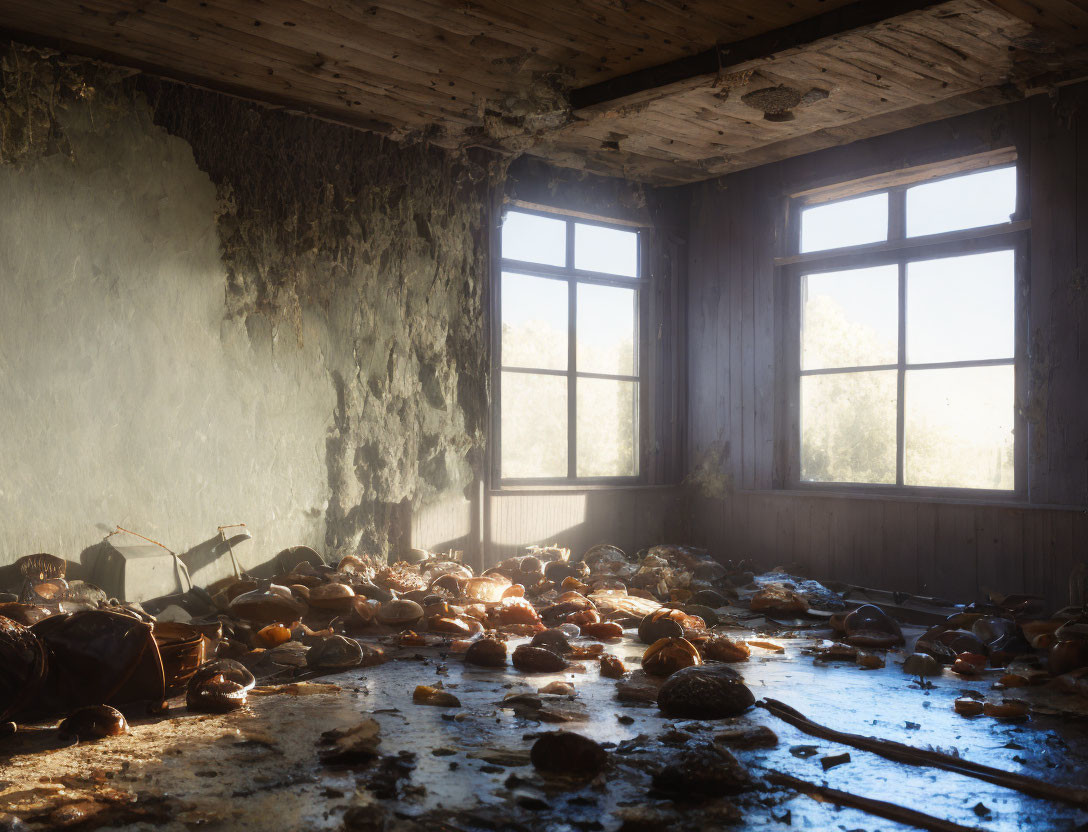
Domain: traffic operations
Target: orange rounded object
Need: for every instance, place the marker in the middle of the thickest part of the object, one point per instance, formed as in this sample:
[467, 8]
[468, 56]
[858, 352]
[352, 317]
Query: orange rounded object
[966, 706]
[450, 624]
[602, 629]
[336, 597]
[667, 655]
[612, 667]
[273, 635]
[571, 596]
[724, 649]
[1006, 709]
[514, 591]
[583, 617]
[968, 664]
[571, 583]
[514, 611]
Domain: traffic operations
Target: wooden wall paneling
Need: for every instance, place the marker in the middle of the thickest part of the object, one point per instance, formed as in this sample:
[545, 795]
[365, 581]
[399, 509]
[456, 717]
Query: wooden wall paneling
[1061, 557]
[1048, 224]
[865, 543]
[766, 196]
[815, 530]
[926, 563]
[999, 544]
[735, 349]
[1078, 319]
[841, 523]
[1036, 536]
[747, 251]
[1067, 407]
[899, 546]
[1079, 546]
[955, 551]
[787, 530]
[704, 295]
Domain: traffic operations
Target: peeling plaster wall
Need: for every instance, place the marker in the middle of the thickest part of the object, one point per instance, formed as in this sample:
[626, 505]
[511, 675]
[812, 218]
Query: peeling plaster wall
[215, 313]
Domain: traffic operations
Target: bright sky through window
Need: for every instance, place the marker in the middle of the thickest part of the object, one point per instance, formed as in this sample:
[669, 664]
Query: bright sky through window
[942, 367]
[851, 222]
[534, 239]
[608, 250]
[971, 201]
[535, 430]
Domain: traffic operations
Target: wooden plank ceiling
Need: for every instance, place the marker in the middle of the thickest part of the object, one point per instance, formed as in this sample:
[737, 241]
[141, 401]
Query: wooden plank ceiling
[663, 91]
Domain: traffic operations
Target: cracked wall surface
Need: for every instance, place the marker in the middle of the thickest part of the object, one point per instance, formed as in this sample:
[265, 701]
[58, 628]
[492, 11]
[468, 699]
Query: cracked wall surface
[212, 312]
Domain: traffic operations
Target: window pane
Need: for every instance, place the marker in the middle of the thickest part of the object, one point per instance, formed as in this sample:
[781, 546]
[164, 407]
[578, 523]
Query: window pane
[609, 250]
[534, 425]
[848, 427]
[850, 319]
[534, 239]
[850, 222]
[606, 428]
[606, 329]
[534, 322]
[961, 308]
[959, 425]
[969, 201]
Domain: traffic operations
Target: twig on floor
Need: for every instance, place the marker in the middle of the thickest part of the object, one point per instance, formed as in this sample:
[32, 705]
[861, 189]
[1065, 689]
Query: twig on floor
[921, 757]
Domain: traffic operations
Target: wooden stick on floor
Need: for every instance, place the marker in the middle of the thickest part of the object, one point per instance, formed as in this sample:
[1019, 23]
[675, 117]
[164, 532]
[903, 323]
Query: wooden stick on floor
[889, 811]
[919, 757]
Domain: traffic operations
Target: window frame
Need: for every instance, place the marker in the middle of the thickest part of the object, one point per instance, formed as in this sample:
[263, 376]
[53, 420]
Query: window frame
[900, 250]
[572, 276]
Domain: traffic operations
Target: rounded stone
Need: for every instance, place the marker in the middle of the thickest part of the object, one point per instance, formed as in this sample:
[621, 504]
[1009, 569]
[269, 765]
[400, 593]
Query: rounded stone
[704, 692]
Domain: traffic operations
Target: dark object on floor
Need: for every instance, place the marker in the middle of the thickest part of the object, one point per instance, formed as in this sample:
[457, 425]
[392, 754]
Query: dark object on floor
[219, 686]
[100, 657]
[24, 664]
[704, 692]
[702, 769]
[95, 722]
[564, 752]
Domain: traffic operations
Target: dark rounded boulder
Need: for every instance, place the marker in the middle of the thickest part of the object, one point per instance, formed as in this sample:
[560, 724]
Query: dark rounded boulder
[704, 692]
[567, 753]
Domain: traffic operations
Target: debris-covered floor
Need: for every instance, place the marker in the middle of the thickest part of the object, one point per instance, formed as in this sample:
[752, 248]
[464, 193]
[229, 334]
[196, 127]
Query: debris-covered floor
[354, 750]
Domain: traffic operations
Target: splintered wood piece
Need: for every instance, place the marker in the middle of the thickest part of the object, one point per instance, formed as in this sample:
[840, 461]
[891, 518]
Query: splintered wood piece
[919, 757]
[889, 811]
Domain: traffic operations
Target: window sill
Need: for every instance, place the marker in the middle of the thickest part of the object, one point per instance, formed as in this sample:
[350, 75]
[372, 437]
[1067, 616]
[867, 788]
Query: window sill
[1013, 501]
[572, 488]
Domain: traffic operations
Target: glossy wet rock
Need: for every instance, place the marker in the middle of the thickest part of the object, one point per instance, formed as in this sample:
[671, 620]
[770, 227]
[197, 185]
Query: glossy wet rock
[335, 653]
[568, 753]
[705, 692]
[94, 722]
[537, 660]
[219, 686]
[486, 652]
[870, 626]
[701, 769]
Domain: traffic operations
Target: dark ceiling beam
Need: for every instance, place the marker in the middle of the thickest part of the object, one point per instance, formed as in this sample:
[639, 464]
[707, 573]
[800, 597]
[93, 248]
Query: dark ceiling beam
[694, 69]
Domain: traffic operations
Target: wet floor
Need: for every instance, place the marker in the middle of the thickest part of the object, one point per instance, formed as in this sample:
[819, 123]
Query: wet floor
[468, 767]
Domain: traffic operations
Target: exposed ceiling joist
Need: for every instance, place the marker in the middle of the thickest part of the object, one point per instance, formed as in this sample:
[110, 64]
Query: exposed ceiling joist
[695, 70]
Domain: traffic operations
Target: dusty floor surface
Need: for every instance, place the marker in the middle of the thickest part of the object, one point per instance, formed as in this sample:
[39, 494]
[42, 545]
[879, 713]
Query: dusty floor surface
[468, 768]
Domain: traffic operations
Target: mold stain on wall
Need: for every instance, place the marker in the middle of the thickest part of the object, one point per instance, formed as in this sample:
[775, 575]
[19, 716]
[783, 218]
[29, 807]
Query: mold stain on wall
[219, 313]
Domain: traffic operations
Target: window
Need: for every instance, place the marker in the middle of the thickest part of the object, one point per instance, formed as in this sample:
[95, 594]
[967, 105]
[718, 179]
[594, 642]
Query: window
[568, 382]
[906, 313]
